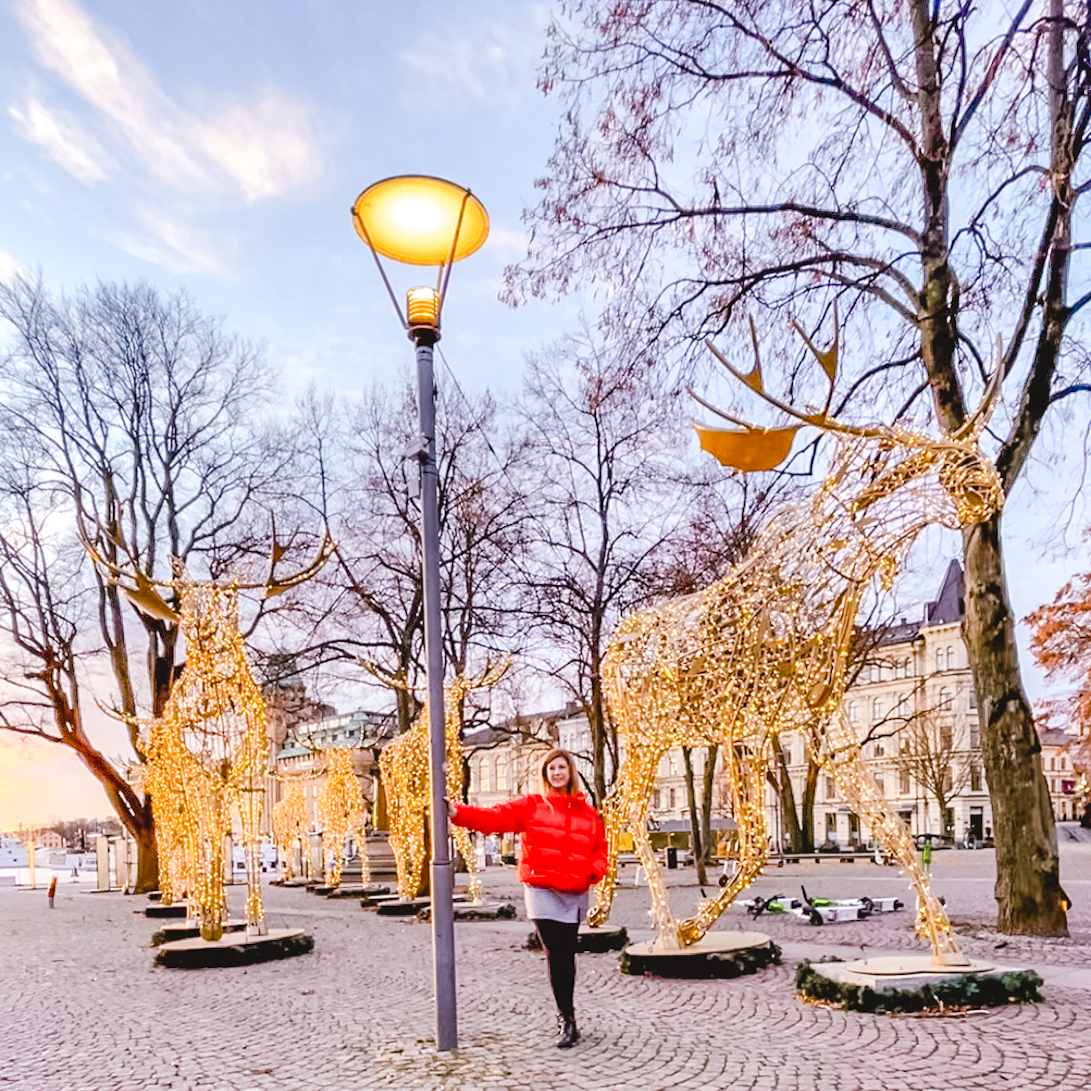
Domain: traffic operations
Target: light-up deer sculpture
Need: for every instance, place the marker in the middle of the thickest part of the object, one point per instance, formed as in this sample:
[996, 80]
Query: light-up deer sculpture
[403, 765]
[206, 752]
[765, 649]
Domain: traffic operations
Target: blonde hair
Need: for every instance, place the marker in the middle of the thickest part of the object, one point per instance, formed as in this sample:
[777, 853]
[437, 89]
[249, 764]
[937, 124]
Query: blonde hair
[573, 777]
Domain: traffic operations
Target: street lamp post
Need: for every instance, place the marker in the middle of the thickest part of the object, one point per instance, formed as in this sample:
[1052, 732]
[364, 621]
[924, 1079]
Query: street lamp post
[427, 221]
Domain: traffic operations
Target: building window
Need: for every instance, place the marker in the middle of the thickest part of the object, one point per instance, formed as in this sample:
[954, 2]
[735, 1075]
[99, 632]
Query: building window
[875, 675]
[1063, 764]
[877, 709]
[880, 783]
[831, 788]
[971, 698]
[501, 775]
[909, 668]
[975, 778]
[975, 735]
[903, 783]
[484, 776]
[656, 800]
[854, 711]
[1052, 763]
[945, 702]
[671, 793]
[878, 750]
[940, 659]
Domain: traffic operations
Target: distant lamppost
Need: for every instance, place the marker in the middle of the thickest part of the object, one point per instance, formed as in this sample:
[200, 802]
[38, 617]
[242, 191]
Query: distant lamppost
[426, 221]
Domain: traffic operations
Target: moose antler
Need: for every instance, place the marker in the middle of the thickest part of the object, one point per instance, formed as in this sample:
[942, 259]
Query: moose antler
[749, 447]
[142, 591]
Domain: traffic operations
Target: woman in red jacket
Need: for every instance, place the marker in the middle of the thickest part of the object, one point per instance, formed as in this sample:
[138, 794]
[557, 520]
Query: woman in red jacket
[563, 854]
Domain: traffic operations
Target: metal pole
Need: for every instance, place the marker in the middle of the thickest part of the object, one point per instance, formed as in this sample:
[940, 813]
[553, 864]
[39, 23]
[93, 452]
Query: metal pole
[442, 877]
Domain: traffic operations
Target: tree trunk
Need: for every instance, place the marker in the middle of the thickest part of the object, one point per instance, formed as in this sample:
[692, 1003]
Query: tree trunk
[1029, 897]
[694, 824]
[810, 790]
[782, 782]
[707, 782]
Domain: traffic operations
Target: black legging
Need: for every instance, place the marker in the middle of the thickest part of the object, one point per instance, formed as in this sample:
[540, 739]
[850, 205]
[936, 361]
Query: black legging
[559, 940]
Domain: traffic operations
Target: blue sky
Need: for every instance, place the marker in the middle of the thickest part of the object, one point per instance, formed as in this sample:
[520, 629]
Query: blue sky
[218, 147]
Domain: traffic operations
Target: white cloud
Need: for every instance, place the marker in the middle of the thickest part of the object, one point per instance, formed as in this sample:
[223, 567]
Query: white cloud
[180, 247]
[262, 148]
[9, 268]
[57, 132]
[485, 62]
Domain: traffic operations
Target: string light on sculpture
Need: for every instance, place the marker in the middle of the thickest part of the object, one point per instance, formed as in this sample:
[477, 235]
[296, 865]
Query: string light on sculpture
[206, 752]
[404, 767]
[290, 825]
[341, 812]
[765, 650]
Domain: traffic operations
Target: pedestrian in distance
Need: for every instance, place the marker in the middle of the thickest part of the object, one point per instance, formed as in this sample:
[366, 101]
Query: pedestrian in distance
[563, 855]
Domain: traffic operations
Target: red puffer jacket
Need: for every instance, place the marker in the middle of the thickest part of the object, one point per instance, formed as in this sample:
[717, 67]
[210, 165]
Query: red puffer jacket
[564, 844]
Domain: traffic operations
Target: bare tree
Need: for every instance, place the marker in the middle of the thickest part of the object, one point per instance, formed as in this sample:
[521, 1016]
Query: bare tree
[126, 416]
[920, 160]
[931, 750]
[603, 454]
[362, 482]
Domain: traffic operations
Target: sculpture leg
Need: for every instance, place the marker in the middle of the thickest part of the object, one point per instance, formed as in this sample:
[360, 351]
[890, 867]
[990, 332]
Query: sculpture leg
[365, 860]
[613, 818]
[746, 775]
[632, 803]
[859, 789]
[464, 844]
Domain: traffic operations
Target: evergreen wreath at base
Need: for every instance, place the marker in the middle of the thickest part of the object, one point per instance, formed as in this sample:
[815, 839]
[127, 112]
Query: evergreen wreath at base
[714, 964]
[965, 991]
[213, 954]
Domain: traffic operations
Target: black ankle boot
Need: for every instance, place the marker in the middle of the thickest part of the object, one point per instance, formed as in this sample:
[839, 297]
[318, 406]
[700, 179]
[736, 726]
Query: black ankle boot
[569, 1035]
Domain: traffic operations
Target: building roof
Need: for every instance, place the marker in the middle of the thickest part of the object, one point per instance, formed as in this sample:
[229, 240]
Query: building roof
[950, 605]
[1055, 737]
[947, 608]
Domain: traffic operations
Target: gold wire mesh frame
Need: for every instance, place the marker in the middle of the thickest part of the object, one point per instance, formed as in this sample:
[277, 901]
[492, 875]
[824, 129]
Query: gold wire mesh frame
[341, 812]
[404, 768]
[765, 650]
[206, 756]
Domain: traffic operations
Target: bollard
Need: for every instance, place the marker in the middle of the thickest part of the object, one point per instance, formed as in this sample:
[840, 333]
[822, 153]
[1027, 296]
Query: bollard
[52, 890]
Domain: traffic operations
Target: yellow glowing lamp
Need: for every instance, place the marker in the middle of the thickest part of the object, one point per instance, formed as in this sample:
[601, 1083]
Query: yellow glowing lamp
[422, 307]
[420, 220]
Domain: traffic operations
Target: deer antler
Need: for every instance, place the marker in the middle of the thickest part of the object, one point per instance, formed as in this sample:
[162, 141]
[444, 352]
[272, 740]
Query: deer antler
[144, 595]
[274, 586]
[755, 448]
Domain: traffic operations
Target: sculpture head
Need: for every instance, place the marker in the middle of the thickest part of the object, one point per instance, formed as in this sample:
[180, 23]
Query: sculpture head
[880, 459]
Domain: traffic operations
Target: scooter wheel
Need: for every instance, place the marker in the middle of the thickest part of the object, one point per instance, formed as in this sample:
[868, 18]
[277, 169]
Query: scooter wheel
[816, 917]
[723, 880]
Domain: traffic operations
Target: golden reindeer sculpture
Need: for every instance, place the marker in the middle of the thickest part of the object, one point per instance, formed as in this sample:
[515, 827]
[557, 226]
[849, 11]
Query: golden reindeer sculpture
[290, 826]
[206, 752]
[341, 808]
[766, 648]
[403, 765]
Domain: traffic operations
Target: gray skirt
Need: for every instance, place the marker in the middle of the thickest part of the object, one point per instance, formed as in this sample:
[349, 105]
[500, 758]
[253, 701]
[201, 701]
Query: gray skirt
[545, 904]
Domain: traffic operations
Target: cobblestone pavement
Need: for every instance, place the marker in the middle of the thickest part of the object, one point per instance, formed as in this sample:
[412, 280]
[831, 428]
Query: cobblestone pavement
[82, 1008]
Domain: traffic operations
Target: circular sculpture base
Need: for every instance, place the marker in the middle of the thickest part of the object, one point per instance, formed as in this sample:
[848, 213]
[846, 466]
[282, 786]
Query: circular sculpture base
[158, 909]
[398, 908]
[591, 941]
[717, 954]
[170, 933]
[907, 983]
[235, 949]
